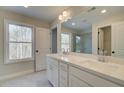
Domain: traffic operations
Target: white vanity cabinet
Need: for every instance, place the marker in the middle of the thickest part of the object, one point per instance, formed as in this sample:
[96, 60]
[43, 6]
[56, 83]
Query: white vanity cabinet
[76, 82]
[80, 78]
[52, 71]
[63, 74]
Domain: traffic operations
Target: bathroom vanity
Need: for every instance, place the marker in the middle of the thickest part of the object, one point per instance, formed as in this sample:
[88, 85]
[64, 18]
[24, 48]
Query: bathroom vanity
[80, 68]
[83, 71]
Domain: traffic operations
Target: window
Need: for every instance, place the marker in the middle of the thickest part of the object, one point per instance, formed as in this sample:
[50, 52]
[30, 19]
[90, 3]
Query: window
[65, 41]
[78, 41]
[18, 42]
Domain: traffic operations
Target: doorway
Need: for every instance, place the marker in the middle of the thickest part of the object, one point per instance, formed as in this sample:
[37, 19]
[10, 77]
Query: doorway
[104, 40]
[54, 40]
[42, 48]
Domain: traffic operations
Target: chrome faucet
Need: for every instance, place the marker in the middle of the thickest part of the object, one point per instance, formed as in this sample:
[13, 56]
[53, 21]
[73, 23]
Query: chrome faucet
[101, 56]
[65, 52]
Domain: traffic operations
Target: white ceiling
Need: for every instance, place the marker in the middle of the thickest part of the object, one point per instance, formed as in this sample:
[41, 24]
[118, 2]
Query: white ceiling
[45, 13]
[85, 19]
[82, 19]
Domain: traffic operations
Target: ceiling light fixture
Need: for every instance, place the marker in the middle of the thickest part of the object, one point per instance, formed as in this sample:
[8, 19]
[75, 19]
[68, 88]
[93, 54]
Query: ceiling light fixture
[103, 11]
[60, 17]
[65, 13]
[65, 16]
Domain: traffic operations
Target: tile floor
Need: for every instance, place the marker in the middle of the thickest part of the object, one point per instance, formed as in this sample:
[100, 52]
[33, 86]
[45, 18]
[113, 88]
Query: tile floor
[36, 79]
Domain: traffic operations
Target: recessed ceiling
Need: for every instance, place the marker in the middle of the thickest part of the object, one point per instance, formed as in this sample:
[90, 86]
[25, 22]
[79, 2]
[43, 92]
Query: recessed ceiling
[85, 20]
[45, 13]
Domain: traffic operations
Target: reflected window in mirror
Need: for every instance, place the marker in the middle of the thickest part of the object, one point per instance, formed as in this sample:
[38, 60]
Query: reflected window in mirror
[65, 42]
[78, 44]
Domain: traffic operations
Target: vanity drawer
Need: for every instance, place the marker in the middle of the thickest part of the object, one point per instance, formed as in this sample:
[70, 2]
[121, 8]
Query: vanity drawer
[63, 66]
[63, 76]
[91, 79]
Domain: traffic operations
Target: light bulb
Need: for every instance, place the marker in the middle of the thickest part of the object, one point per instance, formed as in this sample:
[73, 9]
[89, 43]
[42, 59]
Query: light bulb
[60, 17]
[65, 13]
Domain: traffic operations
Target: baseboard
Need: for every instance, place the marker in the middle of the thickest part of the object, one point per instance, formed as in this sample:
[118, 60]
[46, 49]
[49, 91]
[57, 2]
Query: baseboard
[6, 77]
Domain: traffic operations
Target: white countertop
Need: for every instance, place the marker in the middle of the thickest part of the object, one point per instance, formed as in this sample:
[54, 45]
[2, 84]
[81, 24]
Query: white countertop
[107, 70]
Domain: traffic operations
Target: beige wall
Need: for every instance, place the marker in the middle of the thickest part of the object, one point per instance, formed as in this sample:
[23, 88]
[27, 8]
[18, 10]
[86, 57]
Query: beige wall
[15, 67]
[105, 22]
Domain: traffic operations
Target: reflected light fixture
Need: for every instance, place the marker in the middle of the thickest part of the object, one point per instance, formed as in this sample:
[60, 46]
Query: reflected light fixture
[65, 13]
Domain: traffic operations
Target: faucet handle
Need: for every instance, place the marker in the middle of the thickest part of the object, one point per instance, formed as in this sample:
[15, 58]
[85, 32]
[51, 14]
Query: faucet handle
[68, 50]
[63, 50]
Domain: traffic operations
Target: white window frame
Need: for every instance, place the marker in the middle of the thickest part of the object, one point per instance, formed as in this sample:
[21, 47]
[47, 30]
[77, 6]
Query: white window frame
[6, 42]
[70, 43]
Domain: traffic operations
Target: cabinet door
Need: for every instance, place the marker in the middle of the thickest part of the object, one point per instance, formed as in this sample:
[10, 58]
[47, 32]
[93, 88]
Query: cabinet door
[76, 82]
[49, 70]
[92, 80]
[63, 78]
[52, 71]
[63, 75]
[55, 76]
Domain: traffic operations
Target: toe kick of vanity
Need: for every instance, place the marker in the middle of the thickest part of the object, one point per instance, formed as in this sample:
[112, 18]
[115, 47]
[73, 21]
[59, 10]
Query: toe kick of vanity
[65, 74]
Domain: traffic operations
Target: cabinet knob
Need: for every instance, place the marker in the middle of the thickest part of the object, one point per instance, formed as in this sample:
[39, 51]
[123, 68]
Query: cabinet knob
[113, 52]
[37, 51]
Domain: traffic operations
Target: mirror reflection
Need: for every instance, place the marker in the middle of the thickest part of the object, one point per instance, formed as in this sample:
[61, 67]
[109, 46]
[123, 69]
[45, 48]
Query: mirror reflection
[77, 36]
[104, 41]
[99, 30]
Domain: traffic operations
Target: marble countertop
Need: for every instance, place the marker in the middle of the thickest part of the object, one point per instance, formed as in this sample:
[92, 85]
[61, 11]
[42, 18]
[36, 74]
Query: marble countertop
[108, 70]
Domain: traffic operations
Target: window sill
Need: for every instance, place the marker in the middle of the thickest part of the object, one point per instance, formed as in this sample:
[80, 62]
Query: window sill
[18, 61]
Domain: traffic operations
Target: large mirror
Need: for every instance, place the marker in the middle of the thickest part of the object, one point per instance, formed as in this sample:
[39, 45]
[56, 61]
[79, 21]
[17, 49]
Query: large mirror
[79, 34]
[99, 30]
